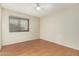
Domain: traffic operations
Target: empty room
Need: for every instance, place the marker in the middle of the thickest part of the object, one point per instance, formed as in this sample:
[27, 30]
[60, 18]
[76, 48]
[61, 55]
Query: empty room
[39, 29]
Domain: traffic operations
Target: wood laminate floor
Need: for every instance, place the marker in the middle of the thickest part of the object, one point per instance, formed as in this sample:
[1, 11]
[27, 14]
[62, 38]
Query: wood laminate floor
[37, 48]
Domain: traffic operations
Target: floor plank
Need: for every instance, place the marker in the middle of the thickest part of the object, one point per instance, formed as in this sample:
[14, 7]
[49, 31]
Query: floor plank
[37, 48]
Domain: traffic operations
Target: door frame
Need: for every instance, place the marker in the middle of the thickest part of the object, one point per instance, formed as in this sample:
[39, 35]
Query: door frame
[0, 27]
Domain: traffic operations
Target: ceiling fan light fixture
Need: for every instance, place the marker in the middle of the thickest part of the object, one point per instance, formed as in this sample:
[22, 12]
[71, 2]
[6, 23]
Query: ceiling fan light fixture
[38, 6]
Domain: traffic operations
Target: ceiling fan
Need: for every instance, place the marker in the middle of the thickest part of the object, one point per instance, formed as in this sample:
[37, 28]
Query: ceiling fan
[43, 6]
[38, 7]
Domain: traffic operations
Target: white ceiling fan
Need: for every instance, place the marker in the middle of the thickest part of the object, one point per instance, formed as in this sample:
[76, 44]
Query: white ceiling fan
[38, 6]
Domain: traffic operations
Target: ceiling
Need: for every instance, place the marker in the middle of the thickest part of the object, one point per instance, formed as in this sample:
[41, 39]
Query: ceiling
[30, 8]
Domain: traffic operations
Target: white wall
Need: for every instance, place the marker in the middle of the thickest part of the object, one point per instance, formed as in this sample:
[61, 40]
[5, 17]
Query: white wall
[0, 27]
[16, 37]
[62, 27]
